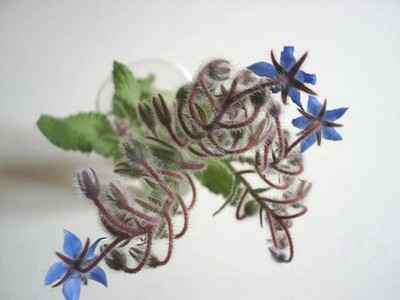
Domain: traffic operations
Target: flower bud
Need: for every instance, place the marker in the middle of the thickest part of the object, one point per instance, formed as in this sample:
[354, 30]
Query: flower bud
[218, 69]
[88, 183]
[162, 110]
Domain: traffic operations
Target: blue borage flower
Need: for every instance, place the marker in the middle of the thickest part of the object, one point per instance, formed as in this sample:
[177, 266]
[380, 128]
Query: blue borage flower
[290, 78]
[69, 274]
[317, 122]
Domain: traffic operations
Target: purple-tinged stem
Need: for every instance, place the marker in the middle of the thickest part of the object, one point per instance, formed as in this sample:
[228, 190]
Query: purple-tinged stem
[208, 94]
[154, 174]
[123, 202]
[175, 137]
[169, 173]
[225, 104]
[170, 241]
[251, 142]
[145, 256]
[192, 165]
[139, 214]
[280, 136]
[103, 254]
[266, 153]
[224, 91]
[192, 109]
[288, 201]
[293, 216]
[270, 218]
[245, 93]
[286, 172]
[264, 178]
[271, 226]
[304, 135]
[115, 223]
[172, 196]
[243, 123]
[185, 217]
[183, 124]
[194, 191]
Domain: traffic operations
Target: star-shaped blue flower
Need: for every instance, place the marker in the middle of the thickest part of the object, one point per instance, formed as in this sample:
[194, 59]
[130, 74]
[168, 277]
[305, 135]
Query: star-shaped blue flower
[317, 122]
[288, 74]
[68, 274]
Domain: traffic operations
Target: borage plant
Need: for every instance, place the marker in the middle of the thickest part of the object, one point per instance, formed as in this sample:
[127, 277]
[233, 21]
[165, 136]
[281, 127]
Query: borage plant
[223, 128]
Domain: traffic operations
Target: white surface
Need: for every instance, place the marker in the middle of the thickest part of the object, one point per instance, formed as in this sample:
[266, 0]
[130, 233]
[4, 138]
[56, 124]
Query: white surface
[54, 57]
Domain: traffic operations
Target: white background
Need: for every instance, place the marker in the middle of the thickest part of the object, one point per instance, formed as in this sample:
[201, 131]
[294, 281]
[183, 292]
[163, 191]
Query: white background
[53, 58]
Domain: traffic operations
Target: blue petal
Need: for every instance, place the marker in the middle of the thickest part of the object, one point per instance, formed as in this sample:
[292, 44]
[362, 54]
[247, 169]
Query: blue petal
[72, 244]
[263, 69]
[308, 142]
[313, 106]
[98, 274]
[300, 76]
[294, 94]
[287, 57]
[72, 288]
[55, 272]
[309, 78]
[92, 249]
[331, 134]
[301, 122]
[334, 114]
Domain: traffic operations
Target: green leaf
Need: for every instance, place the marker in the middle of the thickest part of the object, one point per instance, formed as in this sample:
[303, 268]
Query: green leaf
[146, 87]
[125, 84]
[84, 132]
[123, 109]
[217, 178]
[127, 92]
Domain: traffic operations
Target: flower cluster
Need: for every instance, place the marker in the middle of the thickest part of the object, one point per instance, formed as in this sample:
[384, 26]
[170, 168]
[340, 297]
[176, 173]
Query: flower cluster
[223, 120]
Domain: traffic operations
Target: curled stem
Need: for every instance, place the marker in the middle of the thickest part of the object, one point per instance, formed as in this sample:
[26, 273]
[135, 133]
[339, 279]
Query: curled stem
[145, 256]
[103, 254]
